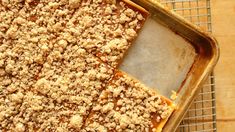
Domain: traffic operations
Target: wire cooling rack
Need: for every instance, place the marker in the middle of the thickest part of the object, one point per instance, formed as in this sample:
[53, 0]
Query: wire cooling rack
[201, 117]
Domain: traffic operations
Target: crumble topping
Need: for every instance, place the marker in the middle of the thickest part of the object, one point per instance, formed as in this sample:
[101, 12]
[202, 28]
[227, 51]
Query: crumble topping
[20, 127]
[76, 121]
[53, 67]
[74, 3]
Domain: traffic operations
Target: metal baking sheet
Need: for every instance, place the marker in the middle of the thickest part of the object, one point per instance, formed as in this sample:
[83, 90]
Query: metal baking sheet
[171, 54]
[201, 116]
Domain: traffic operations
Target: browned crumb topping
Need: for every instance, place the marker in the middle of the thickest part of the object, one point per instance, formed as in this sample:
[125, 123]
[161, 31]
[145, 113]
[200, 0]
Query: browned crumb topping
[51, 72]
[127, 105]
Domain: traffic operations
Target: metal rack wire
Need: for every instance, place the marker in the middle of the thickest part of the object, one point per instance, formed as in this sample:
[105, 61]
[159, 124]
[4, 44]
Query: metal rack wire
[201, 117]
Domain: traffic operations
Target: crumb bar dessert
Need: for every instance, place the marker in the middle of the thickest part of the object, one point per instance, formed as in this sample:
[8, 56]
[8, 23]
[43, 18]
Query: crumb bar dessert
[128, 105]
[57, 68]
[60, 97]
[112, 27]
[105, 28]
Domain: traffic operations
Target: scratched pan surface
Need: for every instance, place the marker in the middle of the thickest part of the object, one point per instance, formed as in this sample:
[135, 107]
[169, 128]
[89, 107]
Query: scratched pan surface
[171, 54]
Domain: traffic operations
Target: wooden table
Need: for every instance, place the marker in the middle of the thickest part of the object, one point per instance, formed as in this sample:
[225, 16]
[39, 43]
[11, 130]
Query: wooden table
[223, 25]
